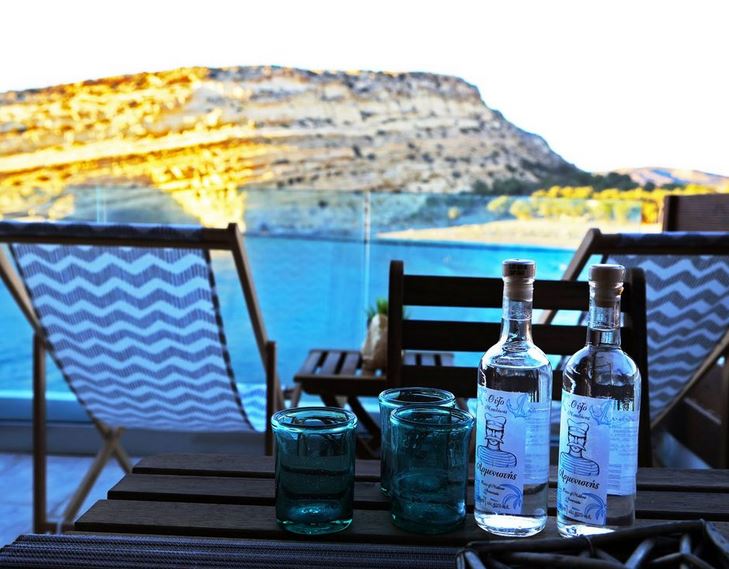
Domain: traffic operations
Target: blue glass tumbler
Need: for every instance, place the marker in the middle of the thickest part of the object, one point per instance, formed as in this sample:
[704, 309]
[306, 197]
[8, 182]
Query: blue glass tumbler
[392, 399]
[430, 451]
[315, 449]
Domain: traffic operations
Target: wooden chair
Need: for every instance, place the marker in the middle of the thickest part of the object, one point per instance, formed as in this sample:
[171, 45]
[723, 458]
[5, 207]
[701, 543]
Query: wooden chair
[706, 404]
[702, 212]
[130, 315]
[687, 303]
[406, 334]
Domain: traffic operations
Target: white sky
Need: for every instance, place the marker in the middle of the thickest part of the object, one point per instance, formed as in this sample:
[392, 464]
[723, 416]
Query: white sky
[608, 83]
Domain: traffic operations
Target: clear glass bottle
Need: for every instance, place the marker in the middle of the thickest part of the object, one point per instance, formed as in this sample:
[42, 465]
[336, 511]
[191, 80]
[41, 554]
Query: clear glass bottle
[598, 447]
[512, 428]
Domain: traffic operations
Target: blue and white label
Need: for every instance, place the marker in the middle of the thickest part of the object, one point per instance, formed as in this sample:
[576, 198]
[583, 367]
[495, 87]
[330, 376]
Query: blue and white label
[512, 449]
[597, 456]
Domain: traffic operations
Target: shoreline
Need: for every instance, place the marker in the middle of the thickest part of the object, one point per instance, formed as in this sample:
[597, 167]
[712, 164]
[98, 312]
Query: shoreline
[566, 233]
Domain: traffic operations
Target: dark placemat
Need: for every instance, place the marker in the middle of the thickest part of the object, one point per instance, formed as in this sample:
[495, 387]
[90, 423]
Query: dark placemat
[91, 551]
[674, 544]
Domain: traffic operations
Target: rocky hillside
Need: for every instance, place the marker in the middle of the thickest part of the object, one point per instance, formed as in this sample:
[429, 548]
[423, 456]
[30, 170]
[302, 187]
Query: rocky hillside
[663, 176]
[223, 129]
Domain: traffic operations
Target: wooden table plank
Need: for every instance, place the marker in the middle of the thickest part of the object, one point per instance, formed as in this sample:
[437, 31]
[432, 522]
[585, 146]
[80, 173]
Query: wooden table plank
[223, 490]
[238, 521]
[226, 490]
[225, 520]
[258, 466]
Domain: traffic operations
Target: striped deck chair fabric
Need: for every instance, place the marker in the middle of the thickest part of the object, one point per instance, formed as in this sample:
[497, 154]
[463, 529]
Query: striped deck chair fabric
[136, 331]
[687, 304]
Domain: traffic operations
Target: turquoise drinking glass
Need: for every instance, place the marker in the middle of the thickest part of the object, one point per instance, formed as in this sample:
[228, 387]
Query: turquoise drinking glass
[430, 451]
[392, 399]
[315, 449]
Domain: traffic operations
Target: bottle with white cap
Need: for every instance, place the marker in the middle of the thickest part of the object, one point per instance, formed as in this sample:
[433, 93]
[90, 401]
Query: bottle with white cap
[598, 444]
[514, 397]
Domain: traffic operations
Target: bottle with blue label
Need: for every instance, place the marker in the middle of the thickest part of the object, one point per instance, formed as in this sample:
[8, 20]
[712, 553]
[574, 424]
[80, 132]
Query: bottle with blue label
[598, 443]
[512, 421]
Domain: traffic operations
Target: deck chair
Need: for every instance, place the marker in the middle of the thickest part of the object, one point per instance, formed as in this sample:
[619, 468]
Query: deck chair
[130, 315]
[702, 212]
[687, 284]
[705, 407]
[407, 334]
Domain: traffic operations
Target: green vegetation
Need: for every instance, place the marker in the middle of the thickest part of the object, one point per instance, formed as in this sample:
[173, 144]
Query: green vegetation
[562, 177]
[380, 307]
[620, 200]
[595, 197]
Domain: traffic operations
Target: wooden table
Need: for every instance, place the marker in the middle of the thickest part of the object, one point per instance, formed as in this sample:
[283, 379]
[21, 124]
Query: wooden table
[337, 377]
[233, 496]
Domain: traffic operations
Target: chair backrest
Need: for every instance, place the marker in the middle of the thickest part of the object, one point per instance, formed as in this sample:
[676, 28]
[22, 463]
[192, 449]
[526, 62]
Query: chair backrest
[468, 336]
[687, 302]
[702, 212]
[130, 315]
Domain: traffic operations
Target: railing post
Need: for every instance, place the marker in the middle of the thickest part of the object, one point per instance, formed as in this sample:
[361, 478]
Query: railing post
[39, 435]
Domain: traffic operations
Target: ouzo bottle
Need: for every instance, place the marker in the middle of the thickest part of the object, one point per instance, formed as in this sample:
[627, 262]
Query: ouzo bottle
[598, 445]
[514, 397]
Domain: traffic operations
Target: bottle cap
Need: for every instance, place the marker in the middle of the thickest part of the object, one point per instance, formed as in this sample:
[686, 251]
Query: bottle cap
[519, 278]
[520, 268]
[608, 283]
[607, 274]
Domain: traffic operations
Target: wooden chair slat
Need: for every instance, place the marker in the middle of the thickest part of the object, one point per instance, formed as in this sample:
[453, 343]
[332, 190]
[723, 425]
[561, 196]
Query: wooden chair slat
[479, 336]
[427, 359]
[352, 361]
[461, 381]
[331, 362]
[409, 358]
[346, 386]
[312, 361]
[446, 359]
[477, 292]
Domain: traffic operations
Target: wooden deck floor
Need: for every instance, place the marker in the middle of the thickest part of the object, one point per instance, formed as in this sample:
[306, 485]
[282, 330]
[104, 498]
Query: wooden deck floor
[64, 474]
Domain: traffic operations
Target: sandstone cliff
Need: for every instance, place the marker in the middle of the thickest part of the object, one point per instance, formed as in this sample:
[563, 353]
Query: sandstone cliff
[223, 129]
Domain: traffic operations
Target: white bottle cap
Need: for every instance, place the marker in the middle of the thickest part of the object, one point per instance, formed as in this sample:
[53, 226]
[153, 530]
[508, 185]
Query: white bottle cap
[523, 268]
[608, 282]
[519, 279]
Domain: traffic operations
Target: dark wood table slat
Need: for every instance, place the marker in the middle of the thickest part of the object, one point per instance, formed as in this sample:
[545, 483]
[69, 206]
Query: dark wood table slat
[251, 521]
[262, 467]
[226, 490]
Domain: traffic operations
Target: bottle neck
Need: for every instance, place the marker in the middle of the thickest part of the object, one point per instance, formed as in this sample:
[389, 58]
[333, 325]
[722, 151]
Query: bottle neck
[516, 320]
[604, 324]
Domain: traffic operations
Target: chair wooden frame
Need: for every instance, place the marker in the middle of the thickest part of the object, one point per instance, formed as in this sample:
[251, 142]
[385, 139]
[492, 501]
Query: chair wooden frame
[699, 212]
[224, 239]
[459, 336]
[597, 243]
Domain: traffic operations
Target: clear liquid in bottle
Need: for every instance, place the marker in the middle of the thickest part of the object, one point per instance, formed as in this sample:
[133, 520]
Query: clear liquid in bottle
[598, 454]
[514, 397]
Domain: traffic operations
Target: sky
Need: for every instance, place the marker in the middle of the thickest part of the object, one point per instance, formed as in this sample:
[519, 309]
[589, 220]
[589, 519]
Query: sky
[608, 84]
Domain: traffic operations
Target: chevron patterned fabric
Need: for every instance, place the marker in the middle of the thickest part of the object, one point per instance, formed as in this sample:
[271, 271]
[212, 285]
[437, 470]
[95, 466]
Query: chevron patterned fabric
[687, 306]
[136, 332]
[148, 232]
